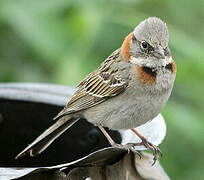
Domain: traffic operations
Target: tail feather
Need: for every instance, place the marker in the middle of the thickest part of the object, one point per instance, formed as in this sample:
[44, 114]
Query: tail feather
[48, 136]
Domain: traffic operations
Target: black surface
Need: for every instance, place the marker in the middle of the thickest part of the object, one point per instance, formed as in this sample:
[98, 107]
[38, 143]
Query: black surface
[21, 122]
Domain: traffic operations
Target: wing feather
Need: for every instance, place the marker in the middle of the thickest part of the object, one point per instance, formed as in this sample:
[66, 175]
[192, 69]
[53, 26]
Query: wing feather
[97, 87]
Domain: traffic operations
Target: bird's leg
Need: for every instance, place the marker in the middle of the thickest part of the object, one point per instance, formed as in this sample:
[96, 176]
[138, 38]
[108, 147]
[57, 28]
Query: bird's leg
[155, 150]
[108, 137]
[111, 141]
[114, 144]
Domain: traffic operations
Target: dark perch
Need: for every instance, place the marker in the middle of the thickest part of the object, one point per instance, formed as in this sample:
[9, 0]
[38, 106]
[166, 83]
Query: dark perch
[26, 110]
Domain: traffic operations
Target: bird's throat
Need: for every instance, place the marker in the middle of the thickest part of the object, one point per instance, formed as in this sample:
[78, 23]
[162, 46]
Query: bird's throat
[150, 71]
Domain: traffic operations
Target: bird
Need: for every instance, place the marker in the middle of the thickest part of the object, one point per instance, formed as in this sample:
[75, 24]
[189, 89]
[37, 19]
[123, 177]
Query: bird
[127, 90]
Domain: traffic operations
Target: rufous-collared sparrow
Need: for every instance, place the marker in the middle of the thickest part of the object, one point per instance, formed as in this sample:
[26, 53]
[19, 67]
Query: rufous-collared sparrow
[128, 89]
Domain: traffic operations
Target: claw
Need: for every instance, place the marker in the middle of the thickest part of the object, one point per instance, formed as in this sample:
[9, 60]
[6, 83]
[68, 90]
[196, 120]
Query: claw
[155, 150]
[138, 153]
[129, 147]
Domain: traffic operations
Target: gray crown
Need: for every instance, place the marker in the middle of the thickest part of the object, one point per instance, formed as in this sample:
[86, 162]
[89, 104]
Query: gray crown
[152, 30]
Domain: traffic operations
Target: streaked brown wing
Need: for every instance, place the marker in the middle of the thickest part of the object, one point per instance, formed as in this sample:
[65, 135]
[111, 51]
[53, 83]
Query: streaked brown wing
[96, 88]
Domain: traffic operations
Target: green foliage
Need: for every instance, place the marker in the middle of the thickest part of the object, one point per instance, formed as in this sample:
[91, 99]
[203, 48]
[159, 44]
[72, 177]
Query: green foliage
[61, 41]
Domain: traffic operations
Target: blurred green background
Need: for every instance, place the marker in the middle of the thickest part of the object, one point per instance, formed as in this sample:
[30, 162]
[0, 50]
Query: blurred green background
[61, 41]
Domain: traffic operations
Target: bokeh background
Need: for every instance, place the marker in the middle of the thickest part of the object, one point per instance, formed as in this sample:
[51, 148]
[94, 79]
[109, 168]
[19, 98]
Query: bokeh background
[60, 41]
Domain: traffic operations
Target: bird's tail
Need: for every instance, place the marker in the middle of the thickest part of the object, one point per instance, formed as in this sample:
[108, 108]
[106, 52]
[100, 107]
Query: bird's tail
[48, 136]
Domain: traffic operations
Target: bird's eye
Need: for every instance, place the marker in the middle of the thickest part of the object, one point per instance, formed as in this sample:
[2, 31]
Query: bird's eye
[144, 45]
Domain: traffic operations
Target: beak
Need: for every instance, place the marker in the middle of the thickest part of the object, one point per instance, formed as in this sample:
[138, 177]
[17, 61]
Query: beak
[159, 52]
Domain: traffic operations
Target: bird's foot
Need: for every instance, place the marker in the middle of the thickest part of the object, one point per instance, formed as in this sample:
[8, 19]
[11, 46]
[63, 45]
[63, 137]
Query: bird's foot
[155, 150]
[128, 147]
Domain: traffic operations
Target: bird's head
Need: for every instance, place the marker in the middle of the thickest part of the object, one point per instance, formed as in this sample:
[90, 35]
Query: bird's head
[147, 45]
